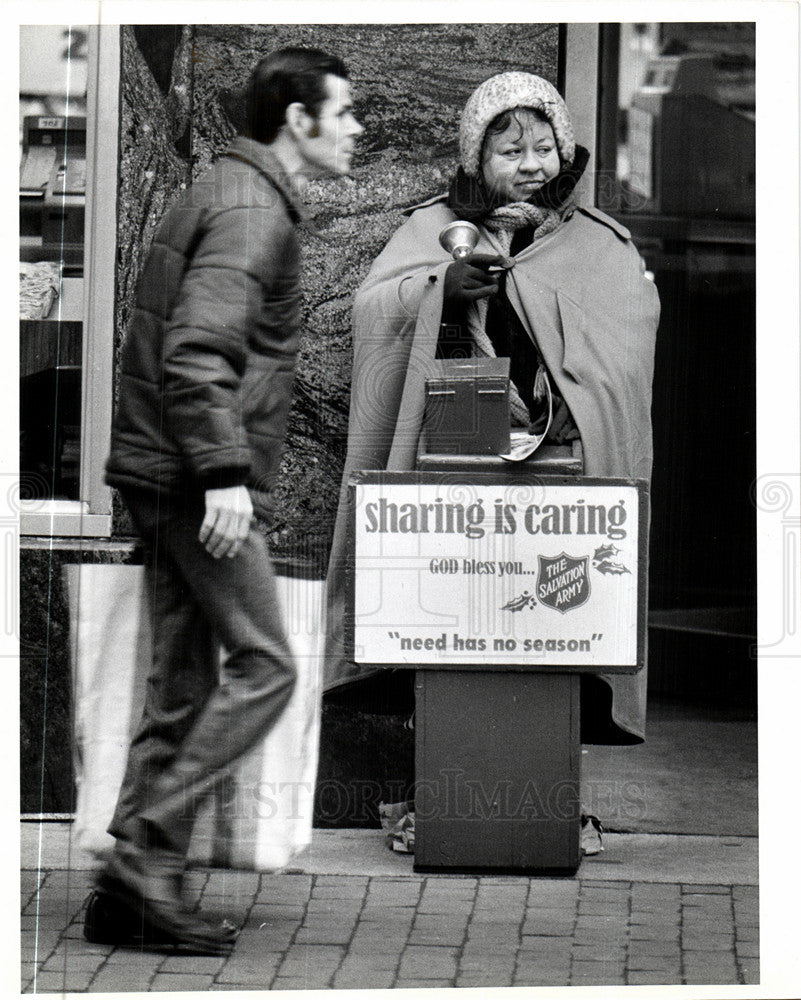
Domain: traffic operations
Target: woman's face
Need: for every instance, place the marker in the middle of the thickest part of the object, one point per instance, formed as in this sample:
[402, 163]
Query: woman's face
[518, 161]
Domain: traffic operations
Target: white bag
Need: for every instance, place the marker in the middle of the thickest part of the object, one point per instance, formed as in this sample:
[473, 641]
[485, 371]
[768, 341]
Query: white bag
[261, 817]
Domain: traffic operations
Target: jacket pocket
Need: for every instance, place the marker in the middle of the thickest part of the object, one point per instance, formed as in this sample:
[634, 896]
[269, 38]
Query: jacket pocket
[574, 335]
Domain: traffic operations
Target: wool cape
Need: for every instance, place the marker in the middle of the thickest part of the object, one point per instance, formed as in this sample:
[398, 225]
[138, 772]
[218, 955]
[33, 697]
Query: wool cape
[581, 293]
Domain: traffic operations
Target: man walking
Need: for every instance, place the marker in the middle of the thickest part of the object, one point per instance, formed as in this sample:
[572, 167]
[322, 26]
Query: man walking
[205, 388]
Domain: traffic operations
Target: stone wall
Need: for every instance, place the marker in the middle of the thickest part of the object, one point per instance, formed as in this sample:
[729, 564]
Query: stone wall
[180, 106]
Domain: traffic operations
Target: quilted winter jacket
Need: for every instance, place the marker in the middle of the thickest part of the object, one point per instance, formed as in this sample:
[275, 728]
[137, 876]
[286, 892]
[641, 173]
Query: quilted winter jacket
[208, 362]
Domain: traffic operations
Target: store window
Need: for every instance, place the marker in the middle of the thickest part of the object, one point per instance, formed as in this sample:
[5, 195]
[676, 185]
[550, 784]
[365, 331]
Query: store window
[69, 82]
[678, 120]
[676, 154]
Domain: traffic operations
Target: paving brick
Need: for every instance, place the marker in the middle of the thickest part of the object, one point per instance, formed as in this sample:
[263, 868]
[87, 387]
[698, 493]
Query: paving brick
[597, 974]
[446, 907]
[714, 977]
[706, 942]
[496, 918]
[654, 909]
[250, 971]
[135, 959]
[442, 936]
[669, 966]
[476, 980]
[360, 962]
[552, 928]
[419, 880]
[46, 906]
[334, 880]
[199, 964]
[746, 912]
[299, 956]
[456, 889]
[470, 962]
[73, 962]
[658, 947]
[645, 977]
[750, 971]
[655, 890]
[311, 935]
[389, 926]
[549, 912]
[442, 919]
[496, 895]
[590, 908]
[180, 981]
[532, 945]
[277, 941]
[493, 936]
[746, 933]
[545, 977]
[390, 951]
[53, 982]
[312, 981]
[342, 890]
[704, 921]
[119, 979]
[747, 949]
[601, 935]
[395, 896]
[709, 966]
[422, 984]
[598, 953]
[432, 921]
[261, 935]
[333, 907]
[604, 890]
[653, 932]
[400, 909]
[709, 904]
[275, 912]
[292, 894]
[483, 951]
[430, 962]
[231, 884]
[373, 979]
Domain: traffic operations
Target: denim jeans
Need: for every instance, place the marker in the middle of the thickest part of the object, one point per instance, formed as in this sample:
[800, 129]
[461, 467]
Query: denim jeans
[199, 716]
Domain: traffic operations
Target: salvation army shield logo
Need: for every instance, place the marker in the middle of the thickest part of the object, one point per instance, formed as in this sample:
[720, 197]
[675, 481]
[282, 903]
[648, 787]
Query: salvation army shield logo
[563, 582]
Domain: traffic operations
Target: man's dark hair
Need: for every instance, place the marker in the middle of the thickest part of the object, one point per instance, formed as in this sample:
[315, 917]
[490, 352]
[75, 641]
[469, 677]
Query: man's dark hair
[282, 78]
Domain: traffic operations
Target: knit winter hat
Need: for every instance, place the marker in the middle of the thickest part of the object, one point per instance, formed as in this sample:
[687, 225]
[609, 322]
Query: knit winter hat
[502, 93]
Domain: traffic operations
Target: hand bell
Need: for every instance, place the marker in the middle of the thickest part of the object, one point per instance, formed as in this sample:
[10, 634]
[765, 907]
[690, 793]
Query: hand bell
[459, 238]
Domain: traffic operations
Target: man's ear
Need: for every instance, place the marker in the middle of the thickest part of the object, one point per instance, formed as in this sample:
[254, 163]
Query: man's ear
[300, 122]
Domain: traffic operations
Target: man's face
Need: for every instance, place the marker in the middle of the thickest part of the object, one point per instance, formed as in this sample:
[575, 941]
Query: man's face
[327, 146]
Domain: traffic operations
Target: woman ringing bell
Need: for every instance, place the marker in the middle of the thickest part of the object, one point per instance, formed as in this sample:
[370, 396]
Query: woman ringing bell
[556, 287]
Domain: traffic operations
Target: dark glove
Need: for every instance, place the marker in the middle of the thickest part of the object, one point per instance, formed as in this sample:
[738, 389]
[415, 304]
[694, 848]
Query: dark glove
[468, 279]
[563, 427]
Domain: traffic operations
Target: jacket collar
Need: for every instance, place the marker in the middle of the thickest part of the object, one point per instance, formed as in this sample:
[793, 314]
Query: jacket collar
[259, 155]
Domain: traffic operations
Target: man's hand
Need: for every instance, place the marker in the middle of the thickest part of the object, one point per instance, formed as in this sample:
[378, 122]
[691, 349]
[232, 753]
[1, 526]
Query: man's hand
[227, 521]
[468, 279]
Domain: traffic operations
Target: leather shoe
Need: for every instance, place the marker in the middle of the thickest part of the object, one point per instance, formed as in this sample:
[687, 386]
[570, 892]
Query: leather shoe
[149, 885]
[109, 920]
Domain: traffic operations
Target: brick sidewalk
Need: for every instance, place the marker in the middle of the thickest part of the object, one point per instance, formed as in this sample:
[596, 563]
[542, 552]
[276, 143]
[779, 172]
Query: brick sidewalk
[351, 931]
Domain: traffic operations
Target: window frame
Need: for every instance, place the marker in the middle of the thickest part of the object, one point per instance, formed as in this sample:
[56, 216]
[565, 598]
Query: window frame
[91, 515]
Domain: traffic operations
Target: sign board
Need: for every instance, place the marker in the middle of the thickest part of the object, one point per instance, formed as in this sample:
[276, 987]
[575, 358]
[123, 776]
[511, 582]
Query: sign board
[517, 571]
